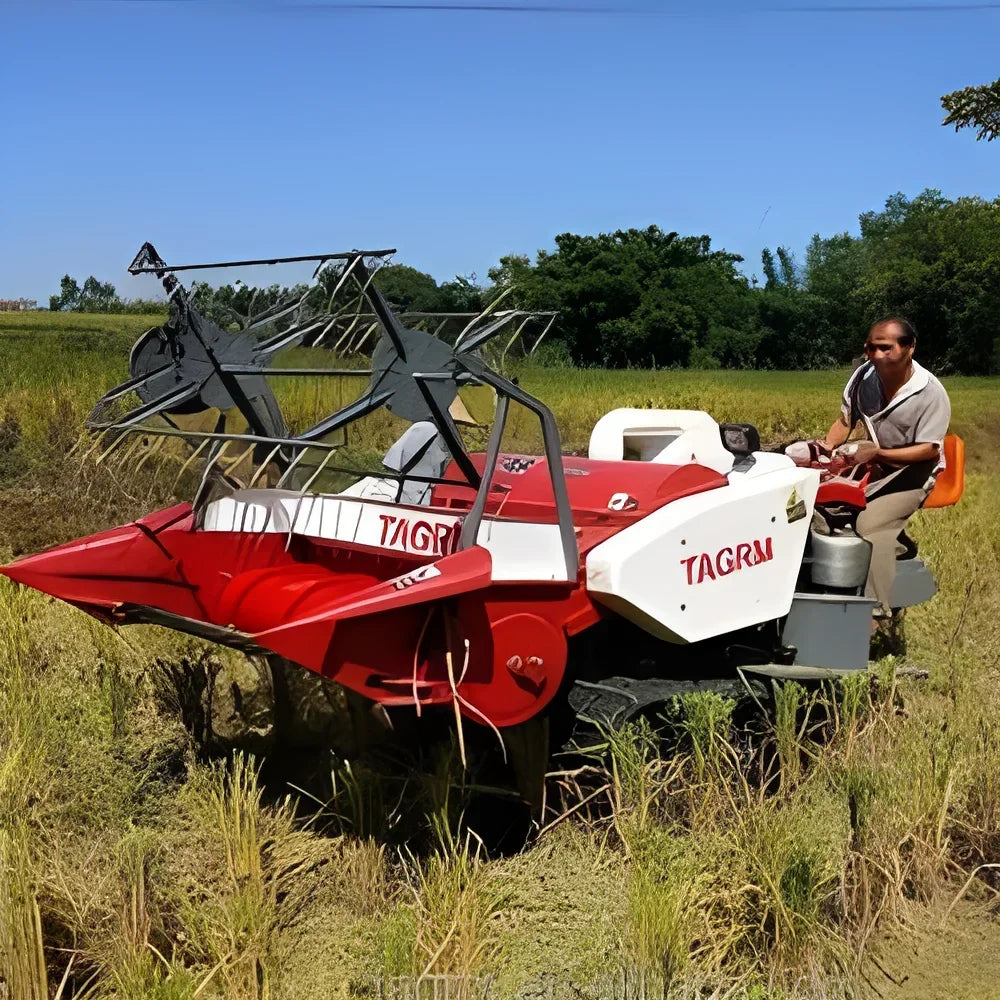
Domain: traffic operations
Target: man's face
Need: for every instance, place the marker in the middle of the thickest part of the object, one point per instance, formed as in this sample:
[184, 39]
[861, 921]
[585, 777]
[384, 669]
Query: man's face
[885, 351]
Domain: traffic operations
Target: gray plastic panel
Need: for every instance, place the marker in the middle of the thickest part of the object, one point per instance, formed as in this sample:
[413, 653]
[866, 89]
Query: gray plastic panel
[830, 630]
[914, 584]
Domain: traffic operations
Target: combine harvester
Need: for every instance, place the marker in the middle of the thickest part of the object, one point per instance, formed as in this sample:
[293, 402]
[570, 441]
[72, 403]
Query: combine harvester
[504, 589]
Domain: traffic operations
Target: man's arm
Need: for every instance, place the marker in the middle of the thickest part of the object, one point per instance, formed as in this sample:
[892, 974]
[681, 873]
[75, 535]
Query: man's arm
[837, 434]
[910, 454]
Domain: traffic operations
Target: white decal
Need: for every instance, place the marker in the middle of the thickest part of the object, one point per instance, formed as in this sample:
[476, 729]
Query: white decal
[417, 576]
[622, 501]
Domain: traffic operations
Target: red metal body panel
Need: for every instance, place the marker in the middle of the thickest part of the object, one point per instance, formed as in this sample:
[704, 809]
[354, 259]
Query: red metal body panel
[385, 638]
[396, 627]
[591, 483]
[845, 491]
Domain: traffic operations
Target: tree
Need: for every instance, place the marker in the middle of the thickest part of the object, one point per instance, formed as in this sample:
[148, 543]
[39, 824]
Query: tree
[69, 295]
[410, 290]
[461, 295]
[834, 268]
[789, 269]
[975, 107]
[795, 330]
[633, 297]
[771, 279]
[529, 286]
[783, 275]
[97, 296]
[407, 289]
[237, 305]
[937, 262]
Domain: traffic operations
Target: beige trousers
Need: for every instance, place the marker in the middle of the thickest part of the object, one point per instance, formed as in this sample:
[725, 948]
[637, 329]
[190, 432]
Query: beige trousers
[881, 522]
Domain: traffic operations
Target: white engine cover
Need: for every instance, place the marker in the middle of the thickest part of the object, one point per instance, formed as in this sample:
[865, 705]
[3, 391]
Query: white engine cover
[707, 564]
[667, 437]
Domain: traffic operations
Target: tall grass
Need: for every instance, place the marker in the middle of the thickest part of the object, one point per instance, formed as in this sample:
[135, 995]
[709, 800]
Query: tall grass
[736, 877]
[255, 879]
[22, 776]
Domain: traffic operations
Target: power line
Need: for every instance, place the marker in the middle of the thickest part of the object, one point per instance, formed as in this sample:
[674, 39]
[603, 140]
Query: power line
[908, 8]
[336, 7]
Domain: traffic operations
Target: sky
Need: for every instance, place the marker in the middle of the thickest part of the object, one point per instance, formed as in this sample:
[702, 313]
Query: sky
[225, 130]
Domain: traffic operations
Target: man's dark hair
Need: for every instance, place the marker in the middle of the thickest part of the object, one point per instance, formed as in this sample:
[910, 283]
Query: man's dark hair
[908, 332]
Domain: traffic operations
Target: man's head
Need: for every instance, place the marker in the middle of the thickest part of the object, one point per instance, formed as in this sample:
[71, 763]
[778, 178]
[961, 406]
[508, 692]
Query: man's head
[890, 345]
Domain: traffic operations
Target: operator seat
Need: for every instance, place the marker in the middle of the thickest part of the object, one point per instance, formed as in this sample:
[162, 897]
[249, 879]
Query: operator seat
[418, 452]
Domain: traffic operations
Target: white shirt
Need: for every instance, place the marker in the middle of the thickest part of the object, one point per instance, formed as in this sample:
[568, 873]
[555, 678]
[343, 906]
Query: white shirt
[919, 413]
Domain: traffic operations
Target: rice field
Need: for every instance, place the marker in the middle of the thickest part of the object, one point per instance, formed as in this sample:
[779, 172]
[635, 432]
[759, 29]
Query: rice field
[135, 862]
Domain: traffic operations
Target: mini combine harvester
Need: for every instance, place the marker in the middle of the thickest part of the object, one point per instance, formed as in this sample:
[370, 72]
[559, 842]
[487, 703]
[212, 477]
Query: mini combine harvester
[502, 589]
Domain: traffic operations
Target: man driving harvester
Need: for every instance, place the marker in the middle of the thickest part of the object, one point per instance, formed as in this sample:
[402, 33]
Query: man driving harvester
[905, 412]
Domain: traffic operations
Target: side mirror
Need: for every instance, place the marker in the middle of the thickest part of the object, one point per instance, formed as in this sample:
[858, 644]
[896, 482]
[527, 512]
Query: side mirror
[740, 439]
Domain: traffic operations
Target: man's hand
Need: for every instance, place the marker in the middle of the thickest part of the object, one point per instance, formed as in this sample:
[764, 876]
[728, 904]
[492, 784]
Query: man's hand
[857, 452]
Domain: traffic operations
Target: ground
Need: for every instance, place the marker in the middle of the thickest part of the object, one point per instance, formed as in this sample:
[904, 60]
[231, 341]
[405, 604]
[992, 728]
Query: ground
[960, 960]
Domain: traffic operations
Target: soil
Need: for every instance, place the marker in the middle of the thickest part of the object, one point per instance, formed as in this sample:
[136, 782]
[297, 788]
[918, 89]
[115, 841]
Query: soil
[959, 962]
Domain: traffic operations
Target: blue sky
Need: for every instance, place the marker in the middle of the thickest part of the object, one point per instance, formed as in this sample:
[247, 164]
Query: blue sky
[228, 130]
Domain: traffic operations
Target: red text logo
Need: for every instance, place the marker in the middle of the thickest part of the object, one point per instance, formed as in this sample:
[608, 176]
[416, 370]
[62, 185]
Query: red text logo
[419, 536]
[728, 560]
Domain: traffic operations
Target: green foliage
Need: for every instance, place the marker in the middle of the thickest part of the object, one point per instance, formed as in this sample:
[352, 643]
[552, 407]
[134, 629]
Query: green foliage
[975, 107]
[235, 306]
[96, 297]
[930, 259]
[784, 275]
[647, 298]
[789, 729]
[834, 266]
[461, 295]
[705, 719]
[650, 298]
[797, 332]
[410, 290]
[406, 288]
[633, 297]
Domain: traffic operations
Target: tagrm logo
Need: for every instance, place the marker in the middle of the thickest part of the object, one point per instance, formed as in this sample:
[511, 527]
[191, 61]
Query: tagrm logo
[706, 566]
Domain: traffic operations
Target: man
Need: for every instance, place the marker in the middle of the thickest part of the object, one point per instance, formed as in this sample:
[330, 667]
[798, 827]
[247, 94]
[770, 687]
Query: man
[905, 412]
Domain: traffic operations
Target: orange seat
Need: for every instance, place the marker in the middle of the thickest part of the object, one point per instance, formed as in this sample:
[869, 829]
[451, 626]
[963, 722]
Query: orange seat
[950, 484]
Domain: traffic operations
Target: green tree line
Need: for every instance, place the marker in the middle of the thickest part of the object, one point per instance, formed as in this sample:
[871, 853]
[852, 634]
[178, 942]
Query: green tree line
[98, 297]
[651, 298]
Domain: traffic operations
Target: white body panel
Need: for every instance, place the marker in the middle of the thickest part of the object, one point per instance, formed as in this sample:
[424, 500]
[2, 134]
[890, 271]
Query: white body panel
[519, 550]
[667, 437]
[764, 463]
[710, 563]
[415, 530]
[523, 550]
